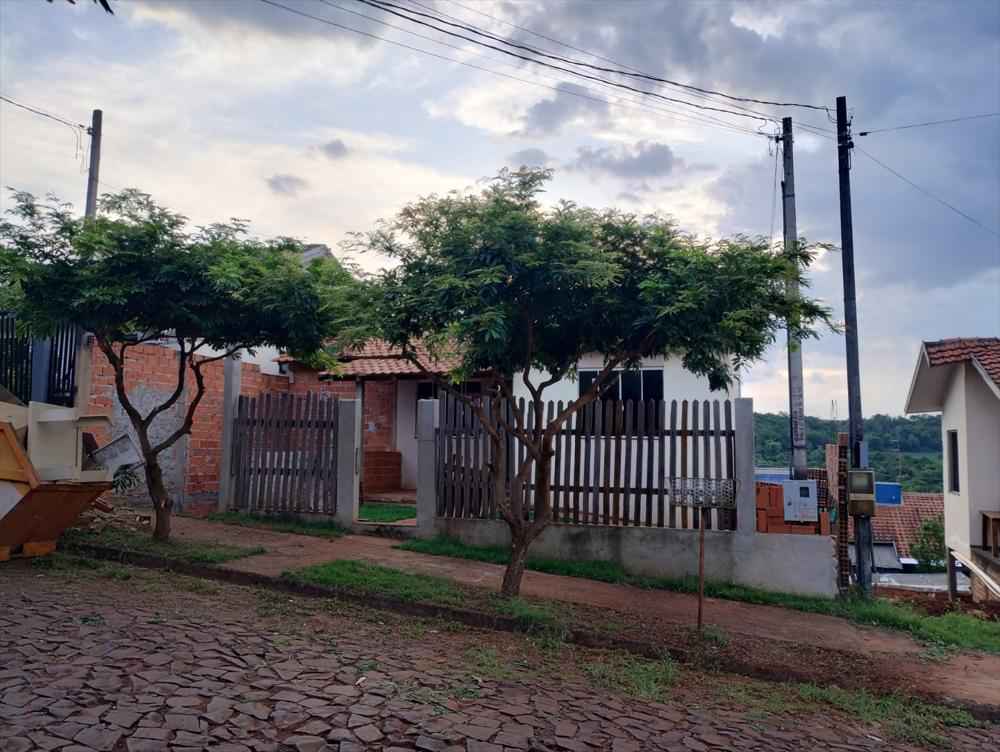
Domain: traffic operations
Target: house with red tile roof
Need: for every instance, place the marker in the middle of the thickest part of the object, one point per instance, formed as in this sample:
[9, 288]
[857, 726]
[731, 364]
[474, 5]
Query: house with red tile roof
[389, 387]
[960, 378]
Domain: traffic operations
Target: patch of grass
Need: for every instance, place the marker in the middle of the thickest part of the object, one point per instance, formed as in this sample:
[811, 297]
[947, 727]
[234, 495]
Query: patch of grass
[952, 629]
[380, 512]
[487, 663]
[281, 523]
[142, 543]
[903, 718]
[363, 577]
[638, 677]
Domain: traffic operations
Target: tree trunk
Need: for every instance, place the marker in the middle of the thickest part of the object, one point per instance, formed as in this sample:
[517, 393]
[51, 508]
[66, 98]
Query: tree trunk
[162, 503]
[522, 535]
[511, 586]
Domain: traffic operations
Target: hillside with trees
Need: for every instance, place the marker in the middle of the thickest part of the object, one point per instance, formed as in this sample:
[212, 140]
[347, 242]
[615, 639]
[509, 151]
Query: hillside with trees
[905, 450]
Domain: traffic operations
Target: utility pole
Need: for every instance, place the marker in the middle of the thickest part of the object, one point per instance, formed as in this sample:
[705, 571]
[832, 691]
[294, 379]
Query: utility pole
[855, 423]
[796, 393]
[95, 163]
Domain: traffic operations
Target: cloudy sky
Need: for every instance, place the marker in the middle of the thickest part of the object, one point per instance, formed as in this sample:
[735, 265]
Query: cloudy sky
[224, 108]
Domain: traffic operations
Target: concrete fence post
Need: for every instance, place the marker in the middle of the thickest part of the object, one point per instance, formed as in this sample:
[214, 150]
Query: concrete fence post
[746, 496]
[231, 373]
[427, 411]
[348, 462]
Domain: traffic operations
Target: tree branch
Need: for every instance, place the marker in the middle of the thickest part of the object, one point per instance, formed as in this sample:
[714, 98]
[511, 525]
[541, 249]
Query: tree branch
[182, 362]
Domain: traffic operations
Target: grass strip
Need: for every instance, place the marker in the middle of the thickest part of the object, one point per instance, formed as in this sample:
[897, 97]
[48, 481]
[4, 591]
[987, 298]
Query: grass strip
[373, 511]
[142, 543]
[281, 523]
[952, 629]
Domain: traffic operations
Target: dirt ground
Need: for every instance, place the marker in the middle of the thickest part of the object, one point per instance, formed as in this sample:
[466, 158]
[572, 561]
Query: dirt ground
[768, 641]
[117, 658]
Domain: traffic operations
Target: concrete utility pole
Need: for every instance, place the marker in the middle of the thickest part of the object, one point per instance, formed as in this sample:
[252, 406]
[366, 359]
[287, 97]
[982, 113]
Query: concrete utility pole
[95, 163]
[862, 522]
[796, 392]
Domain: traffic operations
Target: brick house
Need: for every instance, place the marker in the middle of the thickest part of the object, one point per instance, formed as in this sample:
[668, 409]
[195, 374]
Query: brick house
[389, 388]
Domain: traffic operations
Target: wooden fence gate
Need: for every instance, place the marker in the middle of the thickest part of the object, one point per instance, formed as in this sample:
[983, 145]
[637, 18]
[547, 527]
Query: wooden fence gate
[285, 454]
[650, 464]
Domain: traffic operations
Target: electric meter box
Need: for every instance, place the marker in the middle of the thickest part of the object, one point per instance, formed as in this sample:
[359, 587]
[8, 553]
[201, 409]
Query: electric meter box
[861, 492]
[801, 500]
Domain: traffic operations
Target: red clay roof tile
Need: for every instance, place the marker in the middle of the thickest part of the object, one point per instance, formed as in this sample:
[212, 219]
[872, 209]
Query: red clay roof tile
[899, 524]
[984, 350]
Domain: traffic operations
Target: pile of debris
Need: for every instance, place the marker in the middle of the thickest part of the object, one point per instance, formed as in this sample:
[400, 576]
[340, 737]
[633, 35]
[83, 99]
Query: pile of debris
[102, 514]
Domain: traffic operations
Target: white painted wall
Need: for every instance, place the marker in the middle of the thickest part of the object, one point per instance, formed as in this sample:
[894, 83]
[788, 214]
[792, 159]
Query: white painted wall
[972, 409]
[982, 451]
[956, 505]
[678, 382]
[406, 431]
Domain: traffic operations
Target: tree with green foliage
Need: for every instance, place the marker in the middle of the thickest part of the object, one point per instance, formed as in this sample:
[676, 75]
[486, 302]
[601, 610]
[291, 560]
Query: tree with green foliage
[137, 274]
[929, 548]
[514, 289]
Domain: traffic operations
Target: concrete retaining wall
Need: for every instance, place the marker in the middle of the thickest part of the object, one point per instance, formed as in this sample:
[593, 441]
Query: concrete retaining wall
[799, 564]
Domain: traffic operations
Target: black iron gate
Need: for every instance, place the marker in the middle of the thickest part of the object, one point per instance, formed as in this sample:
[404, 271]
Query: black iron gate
[21, 354]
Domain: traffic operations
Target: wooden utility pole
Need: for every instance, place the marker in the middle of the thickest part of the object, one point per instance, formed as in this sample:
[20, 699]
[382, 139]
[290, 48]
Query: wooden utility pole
[796, 392]
[95, 163]
[855, 423]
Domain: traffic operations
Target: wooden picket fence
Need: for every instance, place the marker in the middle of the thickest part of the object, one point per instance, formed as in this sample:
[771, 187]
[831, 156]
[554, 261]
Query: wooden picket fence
[652, 464]
[285, 454]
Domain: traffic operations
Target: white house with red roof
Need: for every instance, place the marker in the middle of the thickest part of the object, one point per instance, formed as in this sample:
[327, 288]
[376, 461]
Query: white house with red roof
[960, 378]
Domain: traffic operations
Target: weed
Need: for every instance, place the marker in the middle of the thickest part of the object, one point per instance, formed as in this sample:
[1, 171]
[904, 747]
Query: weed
[281, 523]
[902, 718]
[713, 635]
[952, 629]
[487, 663]
[375, 512]
[532, 617]
[186, 551]
[362, 577]
[648, 679]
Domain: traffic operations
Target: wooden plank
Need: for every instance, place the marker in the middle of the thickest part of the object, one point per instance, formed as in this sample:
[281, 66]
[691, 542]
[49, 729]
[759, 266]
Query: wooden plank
[722, 516]
[334, 466]
[262, 460]
[301, 449]
[447, 458]
[652, 410]
[239, 445]
[578, 448]
[439, 461]
[529, 485]
[550, 413]
[619, 420]
[607, 448]
[284, 435]
[312, 457]
[672, 459]
[638, 516]
[684, 457]
[569, 461]
[587, 432]
[253, 455]
[294, 415]
[706, 421]
[476, 508]
[466, 509]
[329, 452]
[319, 439]
[730, 459]
[695, 511]
[627, 432]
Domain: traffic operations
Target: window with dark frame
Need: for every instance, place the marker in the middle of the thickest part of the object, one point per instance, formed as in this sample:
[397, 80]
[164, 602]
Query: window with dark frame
[953, 484]
[638, 387]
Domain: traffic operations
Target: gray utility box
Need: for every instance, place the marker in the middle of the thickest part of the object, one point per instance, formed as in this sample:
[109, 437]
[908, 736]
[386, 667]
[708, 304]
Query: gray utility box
[801, 500]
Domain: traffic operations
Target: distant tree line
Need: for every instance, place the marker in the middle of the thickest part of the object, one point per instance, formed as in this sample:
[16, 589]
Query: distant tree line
[901, 449]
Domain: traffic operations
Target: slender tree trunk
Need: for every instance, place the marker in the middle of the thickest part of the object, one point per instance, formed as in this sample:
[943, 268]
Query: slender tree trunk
[162, 503]
[522, 535]
[511, 585]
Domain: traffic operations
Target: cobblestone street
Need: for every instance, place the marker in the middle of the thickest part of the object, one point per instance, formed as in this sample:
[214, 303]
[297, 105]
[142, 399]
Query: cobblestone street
[145, 662]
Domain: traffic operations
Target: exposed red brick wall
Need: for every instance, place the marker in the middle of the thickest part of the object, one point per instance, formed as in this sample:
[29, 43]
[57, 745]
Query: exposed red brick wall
[378, 423]
[382, 471]
[156, 366]
[307, 381]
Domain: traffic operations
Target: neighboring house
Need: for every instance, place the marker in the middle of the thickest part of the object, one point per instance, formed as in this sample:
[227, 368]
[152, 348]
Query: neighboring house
[389, 388]
[961, 379]
[895, 528]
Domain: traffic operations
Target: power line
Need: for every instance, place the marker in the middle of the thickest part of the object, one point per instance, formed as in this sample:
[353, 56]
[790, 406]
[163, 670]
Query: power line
[467, 64]
[43, 113]
[930, 122]
[704, 118]
[758, 116]
[628, 71]
[927, 193]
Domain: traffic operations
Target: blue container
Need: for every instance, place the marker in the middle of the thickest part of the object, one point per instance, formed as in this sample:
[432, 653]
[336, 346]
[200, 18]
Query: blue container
[889, 493]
